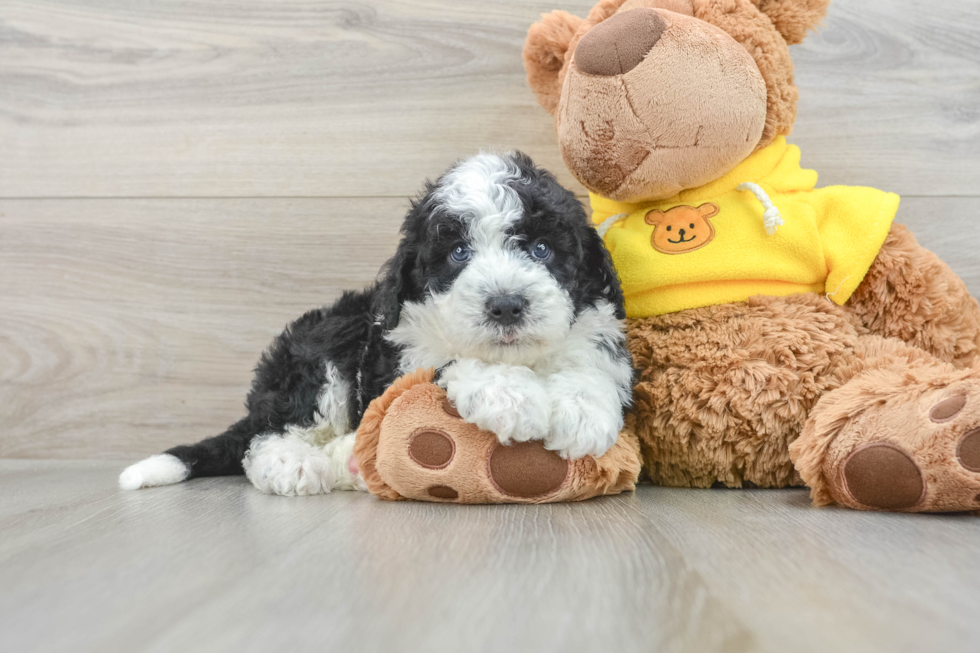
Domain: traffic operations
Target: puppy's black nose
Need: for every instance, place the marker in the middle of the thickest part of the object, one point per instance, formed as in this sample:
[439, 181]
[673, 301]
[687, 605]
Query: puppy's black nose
[506, 310]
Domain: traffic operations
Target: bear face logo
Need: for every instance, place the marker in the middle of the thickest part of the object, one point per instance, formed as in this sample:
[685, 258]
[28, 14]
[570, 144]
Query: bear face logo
[682, 229]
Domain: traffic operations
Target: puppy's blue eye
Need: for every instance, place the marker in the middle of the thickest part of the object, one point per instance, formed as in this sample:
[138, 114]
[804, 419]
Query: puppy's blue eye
[540, 250]
[461, 254]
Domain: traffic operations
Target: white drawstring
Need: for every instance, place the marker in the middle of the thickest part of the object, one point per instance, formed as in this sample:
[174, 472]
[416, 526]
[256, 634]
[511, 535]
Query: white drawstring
[609, 222]
[772, 218]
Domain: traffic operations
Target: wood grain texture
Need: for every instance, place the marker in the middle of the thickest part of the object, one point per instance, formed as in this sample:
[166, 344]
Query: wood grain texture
[130, 326]
[260, 97]
[137, 323]
[890, 96]
[214, 565]
[185, 98]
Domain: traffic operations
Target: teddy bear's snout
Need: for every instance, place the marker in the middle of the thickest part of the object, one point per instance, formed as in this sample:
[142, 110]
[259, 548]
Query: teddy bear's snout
[619, 43]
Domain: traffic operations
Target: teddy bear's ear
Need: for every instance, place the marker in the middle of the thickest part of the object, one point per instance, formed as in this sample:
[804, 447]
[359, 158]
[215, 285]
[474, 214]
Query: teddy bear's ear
[708, 210]
[544, 55]
[654, 217]
[793, 18]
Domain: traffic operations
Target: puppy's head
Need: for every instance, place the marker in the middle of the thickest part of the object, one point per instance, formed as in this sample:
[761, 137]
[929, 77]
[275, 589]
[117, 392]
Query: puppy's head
[496, 262]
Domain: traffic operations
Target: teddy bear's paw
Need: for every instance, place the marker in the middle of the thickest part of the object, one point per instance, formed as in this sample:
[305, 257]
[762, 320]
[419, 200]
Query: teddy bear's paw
[932, 463]
[508, 401]
[427, 451]
[289, 466]
[583, 424]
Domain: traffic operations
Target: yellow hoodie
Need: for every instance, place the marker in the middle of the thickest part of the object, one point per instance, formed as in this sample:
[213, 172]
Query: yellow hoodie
[711, 245]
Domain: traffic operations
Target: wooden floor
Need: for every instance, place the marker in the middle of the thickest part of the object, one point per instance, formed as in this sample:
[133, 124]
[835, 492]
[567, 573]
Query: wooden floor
[214, 565]
[179, 179]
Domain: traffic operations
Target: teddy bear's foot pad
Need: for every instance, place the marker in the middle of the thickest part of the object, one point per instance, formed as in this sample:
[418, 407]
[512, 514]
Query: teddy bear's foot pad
[930, 462]
[883, 476]
[443, 492]
[526, 470]
[969, 451]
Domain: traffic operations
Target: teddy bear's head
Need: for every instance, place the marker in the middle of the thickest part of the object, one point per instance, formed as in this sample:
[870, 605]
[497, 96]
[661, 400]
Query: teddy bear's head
[651, 97]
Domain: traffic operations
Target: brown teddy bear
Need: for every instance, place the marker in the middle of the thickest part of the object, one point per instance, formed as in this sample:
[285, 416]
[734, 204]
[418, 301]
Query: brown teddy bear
[784, 334]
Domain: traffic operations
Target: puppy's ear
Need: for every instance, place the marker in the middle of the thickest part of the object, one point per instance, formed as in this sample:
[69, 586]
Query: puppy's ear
[793, 18]
[603, 282]
[544, 55]
[398, 280]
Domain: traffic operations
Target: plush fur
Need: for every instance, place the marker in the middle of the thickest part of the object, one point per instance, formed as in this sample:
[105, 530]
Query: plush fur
[778, 391]
[494, 231]
[793, 19]
[544, 55]
[726, 389]
[773, 391]
[893, 398]
[913, 295]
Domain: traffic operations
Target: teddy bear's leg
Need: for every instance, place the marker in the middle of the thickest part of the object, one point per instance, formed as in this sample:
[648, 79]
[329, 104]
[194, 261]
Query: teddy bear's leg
[903, 435]
[911, 294]
[723, 390]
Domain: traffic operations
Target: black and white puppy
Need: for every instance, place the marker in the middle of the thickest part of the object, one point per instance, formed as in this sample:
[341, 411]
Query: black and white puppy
[499, 281]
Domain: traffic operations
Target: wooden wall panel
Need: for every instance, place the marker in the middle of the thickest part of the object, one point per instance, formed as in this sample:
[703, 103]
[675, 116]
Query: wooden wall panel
[129, 326]
[179, 98]
[179, 179]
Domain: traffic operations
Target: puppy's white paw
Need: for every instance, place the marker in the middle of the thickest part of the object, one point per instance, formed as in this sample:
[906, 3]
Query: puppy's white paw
[288, 466]
[507, 400]
[340, 451]
[162, 469]
[584, 421]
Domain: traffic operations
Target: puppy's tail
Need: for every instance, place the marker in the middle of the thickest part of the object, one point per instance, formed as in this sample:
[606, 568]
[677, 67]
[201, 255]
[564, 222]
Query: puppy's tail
[218, 456]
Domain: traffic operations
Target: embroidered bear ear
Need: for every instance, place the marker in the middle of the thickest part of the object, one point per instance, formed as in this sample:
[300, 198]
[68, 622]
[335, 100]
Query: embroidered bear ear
[708, 210]
[793, 18]
[654, 217]
[544, 55]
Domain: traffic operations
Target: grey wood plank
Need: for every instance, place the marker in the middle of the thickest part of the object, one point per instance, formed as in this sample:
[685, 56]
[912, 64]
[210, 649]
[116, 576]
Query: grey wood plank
[351, 98]
[863, 581]
[132, 326]
[214, 565]
[889, 92]
[137, 323]
[260, 97]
